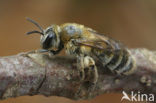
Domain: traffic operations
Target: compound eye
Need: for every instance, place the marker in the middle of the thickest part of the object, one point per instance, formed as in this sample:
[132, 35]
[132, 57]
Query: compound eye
[49, 39]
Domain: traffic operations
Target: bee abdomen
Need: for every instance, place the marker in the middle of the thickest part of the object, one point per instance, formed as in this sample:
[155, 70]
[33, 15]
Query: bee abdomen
[106, 57]
[121, 63]
[126, 66]
[115, 62]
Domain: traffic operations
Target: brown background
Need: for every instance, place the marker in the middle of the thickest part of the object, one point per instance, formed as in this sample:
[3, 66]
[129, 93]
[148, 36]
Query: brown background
[131, 21]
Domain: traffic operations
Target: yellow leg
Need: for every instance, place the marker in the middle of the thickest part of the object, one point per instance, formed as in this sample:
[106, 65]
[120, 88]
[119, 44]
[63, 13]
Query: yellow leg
[87, 69]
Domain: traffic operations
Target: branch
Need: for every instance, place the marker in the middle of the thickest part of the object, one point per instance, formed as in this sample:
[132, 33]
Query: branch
[34, 74]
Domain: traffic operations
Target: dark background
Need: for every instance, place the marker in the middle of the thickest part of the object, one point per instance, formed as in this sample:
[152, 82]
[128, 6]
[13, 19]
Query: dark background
[133, 22]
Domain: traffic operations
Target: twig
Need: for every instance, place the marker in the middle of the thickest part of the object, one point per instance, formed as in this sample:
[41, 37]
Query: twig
[57, 76]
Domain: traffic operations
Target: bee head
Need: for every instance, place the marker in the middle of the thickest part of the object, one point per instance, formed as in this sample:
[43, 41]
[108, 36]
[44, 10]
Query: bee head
[49, 36]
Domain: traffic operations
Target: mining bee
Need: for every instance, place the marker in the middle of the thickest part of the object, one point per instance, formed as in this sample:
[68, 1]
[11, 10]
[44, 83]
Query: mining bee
[87, 46]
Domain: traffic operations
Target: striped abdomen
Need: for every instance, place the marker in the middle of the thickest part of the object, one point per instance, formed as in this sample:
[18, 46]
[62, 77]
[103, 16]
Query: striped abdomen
[118, 61]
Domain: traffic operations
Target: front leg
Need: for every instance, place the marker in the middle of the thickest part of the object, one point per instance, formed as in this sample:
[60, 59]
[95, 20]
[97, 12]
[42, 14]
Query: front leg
[88, 69]
[38, 51]
[52, 52]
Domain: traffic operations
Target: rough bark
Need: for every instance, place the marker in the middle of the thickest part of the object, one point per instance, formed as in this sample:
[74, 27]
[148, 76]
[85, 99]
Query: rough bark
[35, 74]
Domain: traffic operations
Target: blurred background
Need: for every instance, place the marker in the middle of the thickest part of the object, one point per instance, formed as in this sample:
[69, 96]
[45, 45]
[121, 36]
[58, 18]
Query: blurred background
[133, 22]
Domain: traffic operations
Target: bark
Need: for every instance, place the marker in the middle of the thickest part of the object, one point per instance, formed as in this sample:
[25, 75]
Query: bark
[35, 74]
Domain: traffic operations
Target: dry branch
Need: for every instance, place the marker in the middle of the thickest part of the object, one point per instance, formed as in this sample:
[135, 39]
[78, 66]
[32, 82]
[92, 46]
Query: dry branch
[57, 76]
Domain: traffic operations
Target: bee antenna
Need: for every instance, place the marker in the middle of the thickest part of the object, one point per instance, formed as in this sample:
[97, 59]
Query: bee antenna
[34, 31]
[35, 23]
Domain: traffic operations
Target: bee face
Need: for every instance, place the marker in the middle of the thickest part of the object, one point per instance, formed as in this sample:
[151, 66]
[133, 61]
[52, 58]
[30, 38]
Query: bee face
[49, 37]
[48, 40]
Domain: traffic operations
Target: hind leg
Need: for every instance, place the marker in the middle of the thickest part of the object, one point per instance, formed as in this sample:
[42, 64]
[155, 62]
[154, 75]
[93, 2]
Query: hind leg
[88, 69]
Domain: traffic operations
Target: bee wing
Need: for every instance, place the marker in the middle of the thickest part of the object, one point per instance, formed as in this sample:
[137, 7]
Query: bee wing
[110, 41]
[102, 42]
[94, 44]
[99, 45]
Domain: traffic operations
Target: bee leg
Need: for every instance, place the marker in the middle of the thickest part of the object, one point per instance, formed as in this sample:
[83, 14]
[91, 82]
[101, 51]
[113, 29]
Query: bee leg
[52, 53]
[91, 74]
[41, 51]
[88, 69]
[80, 66]
[35, 51]
[38, 51]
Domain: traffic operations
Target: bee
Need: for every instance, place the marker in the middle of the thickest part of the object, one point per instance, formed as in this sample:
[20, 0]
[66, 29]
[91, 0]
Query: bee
[88, 46]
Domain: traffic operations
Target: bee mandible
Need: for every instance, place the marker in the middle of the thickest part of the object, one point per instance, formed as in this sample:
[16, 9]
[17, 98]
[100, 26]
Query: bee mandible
[87, 46]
